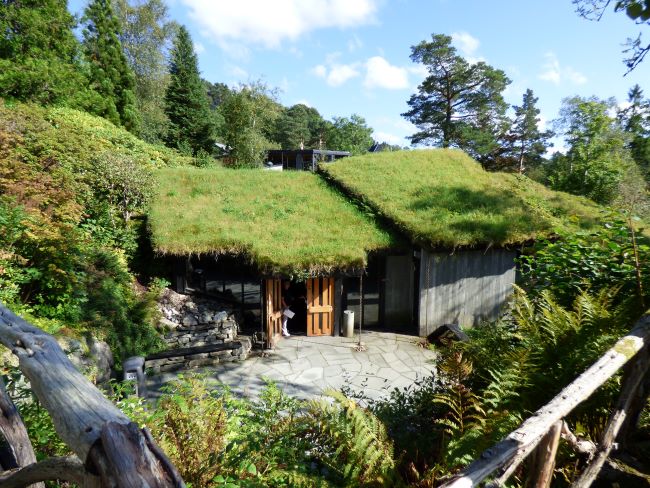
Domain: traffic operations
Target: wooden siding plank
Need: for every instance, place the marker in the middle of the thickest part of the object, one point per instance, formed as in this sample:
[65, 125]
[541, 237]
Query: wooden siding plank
[463, 288]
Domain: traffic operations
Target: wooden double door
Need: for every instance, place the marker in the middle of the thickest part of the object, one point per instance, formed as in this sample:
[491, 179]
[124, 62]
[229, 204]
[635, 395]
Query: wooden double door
[320, 307]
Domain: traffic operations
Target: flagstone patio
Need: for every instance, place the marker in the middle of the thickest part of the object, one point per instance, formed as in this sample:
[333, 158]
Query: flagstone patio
[306, 366]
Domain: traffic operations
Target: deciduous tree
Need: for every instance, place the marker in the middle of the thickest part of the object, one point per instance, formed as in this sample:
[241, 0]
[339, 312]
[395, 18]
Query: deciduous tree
[146, 36]
[637, 10]
[597, 156]
[250, 114]
[300, 126]
[110, 75]
[191, 125]
[349, 134]
[635, 120]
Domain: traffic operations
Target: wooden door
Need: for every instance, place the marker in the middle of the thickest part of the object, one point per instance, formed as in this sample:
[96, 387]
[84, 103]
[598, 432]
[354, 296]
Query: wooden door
[273, 311]
[320, 306]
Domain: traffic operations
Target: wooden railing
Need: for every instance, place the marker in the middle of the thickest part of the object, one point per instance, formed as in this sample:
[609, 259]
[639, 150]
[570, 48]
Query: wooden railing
[541, 432]
[110, 450]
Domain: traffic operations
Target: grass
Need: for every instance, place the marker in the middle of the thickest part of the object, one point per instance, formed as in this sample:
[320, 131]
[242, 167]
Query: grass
[285, 222]
[73, 138]
[444, 199]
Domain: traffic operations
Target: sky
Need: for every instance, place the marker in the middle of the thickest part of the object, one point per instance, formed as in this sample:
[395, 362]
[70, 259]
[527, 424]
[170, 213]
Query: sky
[352, 56]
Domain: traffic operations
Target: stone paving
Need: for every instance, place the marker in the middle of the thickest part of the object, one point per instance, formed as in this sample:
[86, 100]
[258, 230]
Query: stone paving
[305, 366]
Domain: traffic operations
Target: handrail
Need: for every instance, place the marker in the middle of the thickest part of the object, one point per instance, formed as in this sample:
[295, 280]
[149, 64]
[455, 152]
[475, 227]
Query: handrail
[508, 454]
[113, 451]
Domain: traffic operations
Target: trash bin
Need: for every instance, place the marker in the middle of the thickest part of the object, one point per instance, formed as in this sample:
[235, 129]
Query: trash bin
[348, 323]
[134, 371]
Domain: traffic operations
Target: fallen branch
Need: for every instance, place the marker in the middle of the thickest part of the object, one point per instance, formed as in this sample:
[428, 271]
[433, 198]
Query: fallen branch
[520, 443]
[68, 468]
[103, 438]
[581, 446]
[18, 450]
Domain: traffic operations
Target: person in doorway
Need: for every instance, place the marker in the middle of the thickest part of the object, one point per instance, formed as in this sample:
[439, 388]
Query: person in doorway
[287, 301]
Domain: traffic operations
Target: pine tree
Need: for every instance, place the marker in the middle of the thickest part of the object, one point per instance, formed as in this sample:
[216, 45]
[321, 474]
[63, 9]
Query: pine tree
[186, 100]
[459, 104]
[528, 143]
[110, 74]
[39, 54]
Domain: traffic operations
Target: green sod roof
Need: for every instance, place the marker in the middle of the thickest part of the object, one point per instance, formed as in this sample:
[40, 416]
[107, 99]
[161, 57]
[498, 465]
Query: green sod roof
[444, 199]
[285, 222]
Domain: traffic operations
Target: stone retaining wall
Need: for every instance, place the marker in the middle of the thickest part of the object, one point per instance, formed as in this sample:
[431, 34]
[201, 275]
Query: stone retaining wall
[234, 351]
[219, 332]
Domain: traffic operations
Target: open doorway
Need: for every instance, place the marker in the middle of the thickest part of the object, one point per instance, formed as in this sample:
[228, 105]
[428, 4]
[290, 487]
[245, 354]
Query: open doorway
[295, 296]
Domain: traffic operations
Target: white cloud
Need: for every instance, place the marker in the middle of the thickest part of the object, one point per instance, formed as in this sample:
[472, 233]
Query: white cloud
[334, 72]
[555, 73]
[574, 76]
[354, 43]
[238, 72]
[320, 71]
[199, 48]
[340, 73]
[466, 43]
[381, 74]
[389, 138]
[268, 23]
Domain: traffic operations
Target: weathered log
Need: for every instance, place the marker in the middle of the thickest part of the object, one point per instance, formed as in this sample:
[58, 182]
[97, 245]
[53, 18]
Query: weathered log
[631, 381]
[581, 446]
[544, 458]
[19, 450]
[519, 443]
[81, 415]
[68, 468]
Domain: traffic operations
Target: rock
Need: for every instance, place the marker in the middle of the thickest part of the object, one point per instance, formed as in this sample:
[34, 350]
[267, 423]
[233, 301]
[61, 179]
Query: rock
[167, 324]
[103, 357]
[221, 317]
[190, 320]
[206, 318]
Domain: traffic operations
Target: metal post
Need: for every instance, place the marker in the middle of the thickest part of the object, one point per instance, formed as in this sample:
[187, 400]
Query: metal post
[360, 347]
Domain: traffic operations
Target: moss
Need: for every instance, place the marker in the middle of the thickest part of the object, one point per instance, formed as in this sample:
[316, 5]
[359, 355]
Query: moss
[627, 347]
[444, 199]
[286, 222]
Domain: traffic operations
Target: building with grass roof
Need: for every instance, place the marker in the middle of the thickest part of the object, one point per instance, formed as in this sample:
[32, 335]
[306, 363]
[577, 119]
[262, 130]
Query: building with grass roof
[413, 239]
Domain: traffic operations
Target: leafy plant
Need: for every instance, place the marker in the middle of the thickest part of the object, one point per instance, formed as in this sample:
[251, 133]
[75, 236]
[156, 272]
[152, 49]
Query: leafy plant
[190, 425]
[595, 260]
[352, 442]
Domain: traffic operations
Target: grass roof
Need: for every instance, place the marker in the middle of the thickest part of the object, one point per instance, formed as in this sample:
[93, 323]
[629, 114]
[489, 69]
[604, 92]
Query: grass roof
[444, 199]
[286, 222]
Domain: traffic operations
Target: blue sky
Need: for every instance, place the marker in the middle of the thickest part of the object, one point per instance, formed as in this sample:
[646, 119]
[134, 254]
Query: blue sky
[352, 56]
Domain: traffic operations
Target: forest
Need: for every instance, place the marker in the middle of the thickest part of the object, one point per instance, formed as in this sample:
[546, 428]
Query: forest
[102, 112]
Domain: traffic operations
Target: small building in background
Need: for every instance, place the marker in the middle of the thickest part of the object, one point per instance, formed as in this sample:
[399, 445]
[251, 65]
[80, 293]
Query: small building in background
[302, 159]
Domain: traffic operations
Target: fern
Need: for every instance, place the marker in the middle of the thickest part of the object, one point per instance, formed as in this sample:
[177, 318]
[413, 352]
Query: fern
[352, 442]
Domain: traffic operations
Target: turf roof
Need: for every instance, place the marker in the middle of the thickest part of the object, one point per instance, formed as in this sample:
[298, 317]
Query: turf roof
[442, 198]
[286, 222]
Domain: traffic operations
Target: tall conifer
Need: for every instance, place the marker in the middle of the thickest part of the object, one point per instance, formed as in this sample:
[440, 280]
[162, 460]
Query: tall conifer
[186, 99]
[110, 74]
[39, 54]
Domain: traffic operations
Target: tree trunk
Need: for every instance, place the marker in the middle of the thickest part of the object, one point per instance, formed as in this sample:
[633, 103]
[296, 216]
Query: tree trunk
[103, 438]
[19, 451]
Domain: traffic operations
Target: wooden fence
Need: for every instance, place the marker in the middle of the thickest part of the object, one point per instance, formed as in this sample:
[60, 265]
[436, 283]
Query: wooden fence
[541, 432]
[110, 450]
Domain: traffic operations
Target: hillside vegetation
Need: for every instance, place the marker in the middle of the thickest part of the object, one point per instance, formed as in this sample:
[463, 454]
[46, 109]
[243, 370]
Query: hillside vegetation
[442, 198]
[286, 222]
[70, 184]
